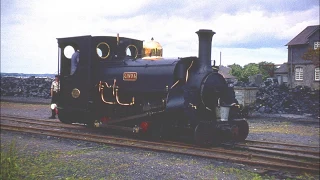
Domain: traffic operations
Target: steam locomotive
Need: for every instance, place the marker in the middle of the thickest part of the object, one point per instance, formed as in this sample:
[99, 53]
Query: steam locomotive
[123, 82]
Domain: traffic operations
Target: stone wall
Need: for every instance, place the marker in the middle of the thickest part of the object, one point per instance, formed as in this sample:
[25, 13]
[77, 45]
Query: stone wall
[26, 87]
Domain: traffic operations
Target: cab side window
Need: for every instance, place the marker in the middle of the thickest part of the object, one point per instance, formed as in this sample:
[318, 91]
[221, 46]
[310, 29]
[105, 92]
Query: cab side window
[74, 61]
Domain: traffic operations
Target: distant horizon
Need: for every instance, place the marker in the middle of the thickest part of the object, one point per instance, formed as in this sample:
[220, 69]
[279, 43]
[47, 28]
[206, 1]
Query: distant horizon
[23, 73]
[27, 75]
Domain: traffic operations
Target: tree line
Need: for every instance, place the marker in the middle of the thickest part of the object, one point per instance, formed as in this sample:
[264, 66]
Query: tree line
[266, 69]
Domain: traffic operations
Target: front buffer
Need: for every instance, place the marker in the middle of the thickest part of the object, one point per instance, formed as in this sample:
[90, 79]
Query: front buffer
[213, 133]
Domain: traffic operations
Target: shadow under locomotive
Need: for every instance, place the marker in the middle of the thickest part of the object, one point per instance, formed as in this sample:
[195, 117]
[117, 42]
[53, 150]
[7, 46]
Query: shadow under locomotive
[118, 81]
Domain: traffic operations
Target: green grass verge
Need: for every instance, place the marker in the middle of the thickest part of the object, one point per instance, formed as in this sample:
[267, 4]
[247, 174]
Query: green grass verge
[44, 165]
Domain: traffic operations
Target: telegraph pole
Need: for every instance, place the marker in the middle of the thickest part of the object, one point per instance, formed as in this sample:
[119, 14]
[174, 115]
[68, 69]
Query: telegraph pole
[220, 58]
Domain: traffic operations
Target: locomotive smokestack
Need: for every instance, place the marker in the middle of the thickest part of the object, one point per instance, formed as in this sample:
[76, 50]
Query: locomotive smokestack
[205, 40]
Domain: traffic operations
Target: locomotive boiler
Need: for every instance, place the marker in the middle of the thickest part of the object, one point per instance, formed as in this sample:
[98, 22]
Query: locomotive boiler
[120, 81]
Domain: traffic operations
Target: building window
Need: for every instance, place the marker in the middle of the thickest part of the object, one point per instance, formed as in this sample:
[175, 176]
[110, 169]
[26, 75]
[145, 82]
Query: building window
[316, 74]
[285, 79]
[299, 73]
[316, 45]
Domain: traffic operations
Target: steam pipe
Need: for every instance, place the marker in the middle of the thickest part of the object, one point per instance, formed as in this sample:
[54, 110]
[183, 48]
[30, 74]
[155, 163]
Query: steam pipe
[205, 41]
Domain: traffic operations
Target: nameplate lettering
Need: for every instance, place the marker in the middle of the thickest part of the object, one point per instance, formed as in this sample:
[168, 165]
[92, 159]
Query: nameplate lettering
[130, 76]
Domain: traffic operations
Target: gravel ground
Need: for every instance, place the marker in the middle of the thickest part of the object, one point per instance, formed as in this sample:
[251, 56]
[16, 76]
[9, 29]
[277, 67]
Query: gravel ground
[69, 159]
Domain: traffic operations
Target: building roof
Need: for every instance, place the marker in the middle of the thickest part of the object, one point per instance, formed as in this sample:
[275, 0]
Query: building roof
[225, 71]
[282, 69]
[302, 37]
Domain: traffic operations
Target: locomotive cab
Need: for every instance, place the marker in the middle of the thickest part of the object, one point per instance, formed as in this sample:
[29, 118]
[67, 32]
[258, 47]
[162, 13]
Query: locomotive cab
[78, 84]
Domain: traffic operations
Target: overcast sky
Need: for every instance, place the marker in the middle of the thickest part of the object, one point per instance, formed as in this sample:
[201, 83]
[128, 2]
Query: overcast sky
[247, 31]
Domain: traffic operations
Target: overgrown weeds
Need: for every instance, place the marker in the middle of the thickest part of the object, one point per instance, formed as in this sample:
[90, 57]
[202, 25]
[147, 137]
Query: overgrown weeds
[9, 162]
[18, 164]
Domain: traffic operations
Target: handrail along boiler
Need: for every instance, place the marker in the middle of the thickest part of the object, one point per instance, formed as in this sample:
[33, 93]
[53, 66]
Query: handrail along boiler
[119, 81]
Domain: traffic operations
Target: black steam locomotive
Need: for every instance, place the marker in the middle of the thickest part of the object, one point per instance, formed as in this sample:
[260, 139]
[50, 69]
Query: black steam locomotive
[117, 81]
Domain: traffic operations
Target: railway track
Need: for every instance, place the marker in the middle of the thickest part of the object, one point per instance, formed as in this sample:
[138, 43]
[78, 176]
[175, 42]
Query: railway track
[252, 154]
[295, 149]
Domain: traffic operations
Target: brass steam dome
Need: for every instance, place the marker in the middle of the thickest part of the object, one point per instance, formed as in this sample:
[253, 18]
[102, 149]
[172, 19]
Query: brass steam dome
[152, 50]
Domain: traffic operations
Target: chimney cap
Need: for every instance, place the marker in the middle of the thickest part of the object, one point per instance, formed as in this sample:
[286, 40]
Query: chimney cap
[206, 31]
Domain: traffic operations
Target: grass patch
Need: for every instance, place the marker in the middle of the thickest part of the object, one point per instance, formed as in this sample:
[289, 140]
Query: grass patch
[286, 128]
[237, 173]
[248, 175]
[9, 162]
[17, 164]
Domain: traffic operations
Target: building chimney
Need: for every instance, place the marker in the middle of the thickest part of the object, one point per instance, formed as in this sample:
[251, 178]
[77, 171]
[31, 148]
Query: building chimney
[205, 40]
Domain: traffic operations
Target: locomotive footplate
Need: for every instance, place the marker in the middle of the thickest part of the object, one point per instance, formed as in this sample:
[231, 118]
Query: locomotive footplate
[209, 133]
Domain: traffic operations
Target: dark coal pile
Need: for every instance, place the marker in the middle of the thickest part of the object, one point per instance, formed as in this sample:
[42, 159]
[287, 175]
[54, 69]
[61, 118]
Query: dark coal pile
[26, 87]
[281, 99]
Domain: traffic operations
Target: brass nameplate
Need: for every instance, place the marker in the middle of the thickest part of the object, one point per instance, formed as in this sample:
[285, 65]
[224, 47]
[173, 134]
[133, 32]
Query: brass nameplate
[130, 76]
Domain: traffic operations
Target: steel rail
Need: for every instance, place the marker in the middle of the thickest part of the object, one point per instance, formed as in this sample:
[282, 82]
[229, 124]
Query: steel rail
[277, 143]
[277, 152]
[98, 139]
[245, 142]
[255, 155]
[216, 150]
[61, 125]
[40, 122]
[53, 123]
[27, 118]
[282, 149]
